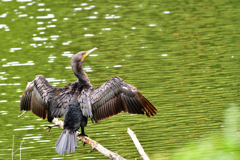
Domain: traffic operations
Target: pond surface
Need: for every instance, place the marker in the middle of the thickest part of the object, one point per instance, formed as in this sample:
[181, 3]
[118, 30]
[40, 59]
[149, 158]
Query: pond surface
[182, 56]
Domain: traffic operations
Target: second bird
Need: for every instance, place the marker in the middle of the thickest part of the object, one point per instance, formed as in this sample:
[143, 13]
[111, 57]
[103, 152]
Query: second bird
[80, 101]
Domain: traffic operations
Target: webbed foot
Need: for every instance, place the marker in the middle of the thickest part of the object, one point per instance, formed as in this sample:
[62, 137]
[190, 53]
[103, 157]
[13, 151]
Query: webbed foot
[83, 134]
[49, 127]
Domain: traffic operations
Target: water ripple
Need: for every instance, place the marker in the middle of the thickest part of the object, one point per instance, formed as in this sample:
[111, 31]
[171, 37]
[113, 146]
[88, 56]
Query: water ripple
[22, 15]
[18, 64]
[27, 128]
[91, 17]
[77, 9]
[14, 49]
[88, 35]
[45, 17]
[3, 15]
[4, 26]
[112, 16]
[24, 0]
[166, 12]
[41, 4]
[152, 25]
[84, 4]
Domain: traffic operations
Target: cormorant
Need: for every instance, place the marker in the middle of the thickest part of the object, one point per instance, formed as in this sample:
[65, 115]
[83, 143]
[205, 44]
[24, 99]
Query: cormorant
[80, 100]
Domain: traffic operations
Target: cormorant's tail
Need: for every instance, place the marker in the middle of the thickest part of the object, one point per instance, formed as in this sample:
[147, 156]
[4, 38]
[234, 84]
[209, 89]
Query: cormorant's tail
[66, 142]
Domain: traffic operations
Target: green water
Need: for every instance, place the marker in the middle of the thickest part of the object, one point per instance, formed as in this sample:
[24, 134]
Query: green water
[183, 56]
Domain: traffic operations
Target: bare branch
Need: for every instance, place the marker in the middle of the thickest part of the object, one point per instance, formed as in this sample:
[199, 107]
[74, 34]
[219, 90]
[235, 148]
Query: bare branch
[100, 148]
[138, 145]
[22, 114]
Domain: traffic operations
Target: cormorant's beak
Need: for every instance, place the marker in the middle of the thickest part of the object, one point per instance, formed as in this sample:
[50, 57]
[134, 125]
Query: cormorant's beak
[88, 52]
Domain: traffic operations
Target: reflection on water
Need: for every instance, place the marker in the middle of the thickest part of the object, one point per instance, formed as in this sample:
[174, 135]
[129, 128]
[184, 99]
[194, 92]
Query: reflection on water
[43, 141]
[4, 26]
[111, 16]
[39, 39]
[88, 157]
[67, 53]
[66, 43]
[3, 112]
[152, 25]
[88, 35]
[91, 17]
[26, 148]
[51, 58]
[117, 66]
[3, 15]
[14, 49]
[26, 128]
[34, 137]
[18, 64]
[87, 69]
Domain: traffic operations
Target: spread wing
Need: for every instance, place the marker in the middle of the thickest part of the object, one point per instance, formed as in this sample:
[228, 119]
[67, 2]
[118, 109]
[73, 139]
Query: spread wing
[44, 99]
[115, 96]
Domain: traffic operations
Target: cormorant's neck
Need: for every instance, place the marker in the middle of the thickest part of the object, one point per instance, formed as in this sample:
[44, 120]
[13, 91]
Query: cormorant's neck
[80, 74]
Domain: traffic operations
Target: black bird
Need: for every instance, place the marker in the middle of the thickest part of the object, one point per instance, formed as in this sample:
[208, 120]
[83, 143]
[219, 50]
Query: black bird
[80, 100]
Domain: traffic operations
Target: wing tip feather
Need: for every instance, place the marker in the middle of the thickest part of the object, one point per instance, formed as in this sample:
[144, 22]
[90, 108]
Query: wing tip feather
[148, 107]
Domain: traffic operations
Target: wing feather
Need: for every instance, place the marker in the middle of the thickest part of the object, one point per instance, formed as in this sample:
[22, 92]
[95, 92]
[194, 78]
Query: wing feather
[115, 96]
[44, 99]
[25, 103]
[107, 110]
[37, 108]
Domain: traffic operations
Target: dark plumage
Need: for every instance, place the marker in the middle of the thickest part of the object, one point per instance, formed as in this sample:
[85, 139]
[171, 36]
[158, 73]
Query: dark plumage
[79, 101]
[72, 121]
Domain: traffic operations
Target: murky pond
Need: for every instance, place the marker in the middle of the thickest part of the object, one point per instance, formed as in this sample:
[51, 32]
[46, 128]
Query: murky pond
[182, 56]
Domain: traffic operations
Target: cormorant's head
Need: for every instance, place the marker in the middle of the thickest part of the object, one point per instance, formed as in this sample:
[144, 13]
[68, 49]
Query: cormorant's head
[79, 57]
[76, 62]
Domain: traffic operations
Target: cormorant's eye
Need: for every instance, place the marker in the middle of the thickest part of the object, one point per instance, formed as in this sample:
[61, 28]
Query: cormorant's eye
[84, 54]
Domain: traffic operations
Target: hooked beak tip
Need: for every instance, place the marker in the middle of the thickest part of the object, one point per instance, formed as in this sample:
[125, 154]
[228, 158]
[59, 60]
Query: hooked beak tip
[90, 51]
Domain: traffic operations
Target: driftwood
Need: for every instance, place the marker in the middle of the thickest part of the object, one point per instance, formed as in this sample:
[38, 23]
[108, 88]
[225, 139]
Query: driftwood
[92, 143]
[99, 147]
[138, 145]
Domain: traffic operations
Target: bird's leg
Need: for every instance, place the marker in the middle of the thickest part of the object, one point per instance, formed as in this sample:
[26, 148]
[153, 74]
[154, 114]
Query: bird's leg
[82, 134]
